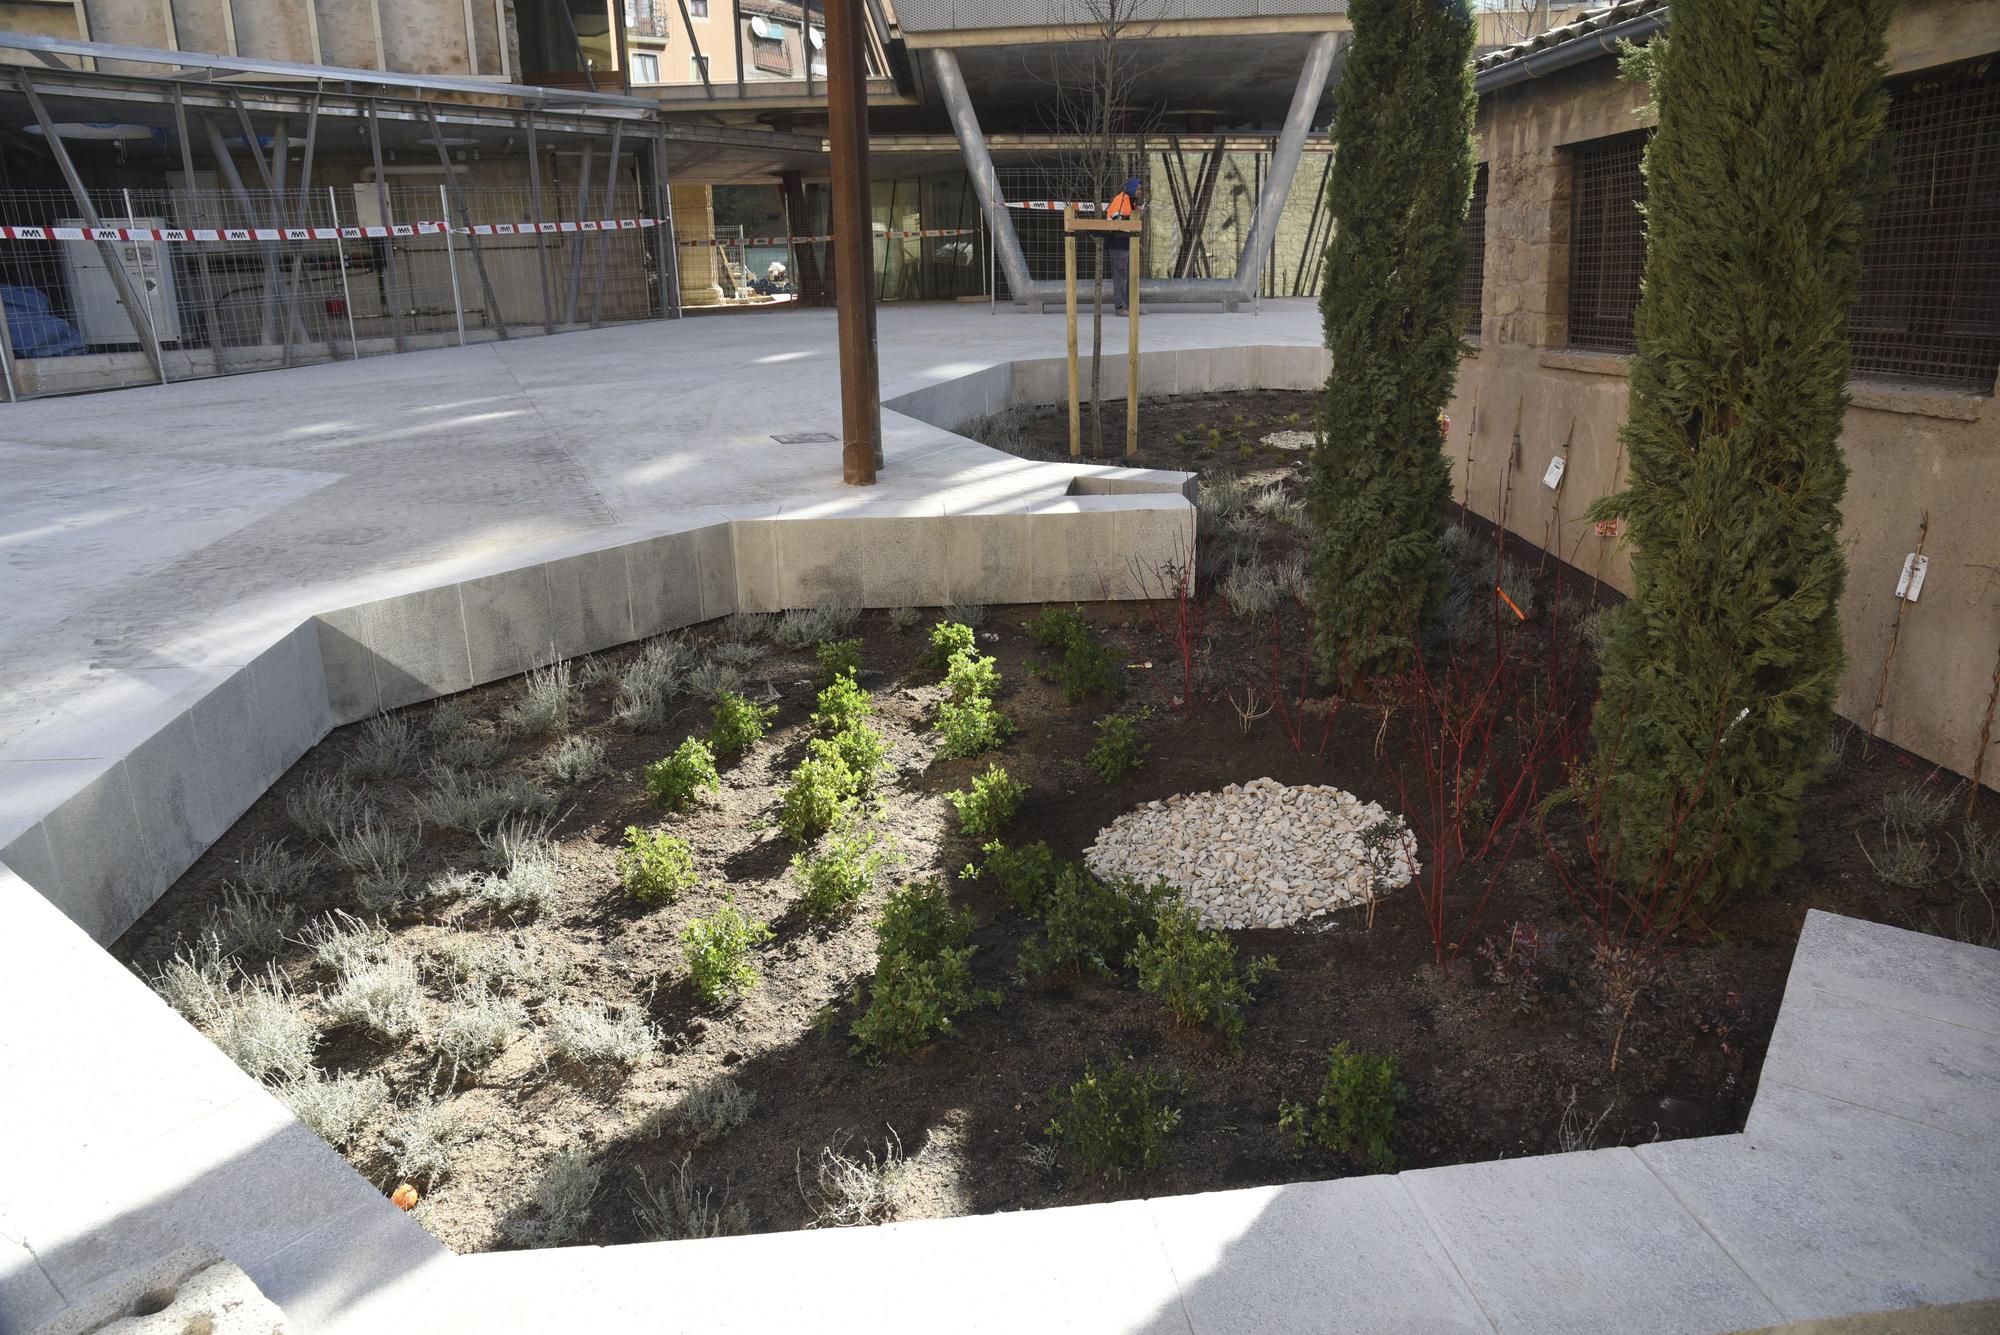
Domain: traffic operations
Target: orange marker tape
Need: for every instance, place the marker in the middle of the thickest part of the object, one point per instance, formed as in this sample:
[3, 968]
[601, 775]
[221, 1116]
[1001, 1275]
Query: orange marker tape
[1518, 613]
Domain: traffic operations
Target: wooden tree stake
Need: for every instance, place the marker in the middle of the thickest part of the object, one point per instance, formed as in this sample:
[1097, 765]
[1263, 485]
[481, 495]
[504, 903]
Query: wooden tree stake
[1069, 318]
[1134, 262]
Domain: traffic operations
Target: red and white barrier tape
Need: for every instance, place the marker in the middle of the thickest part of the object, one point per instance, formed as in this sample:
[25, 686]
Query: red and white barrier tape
[1052, 206]
[927, 232]
[313, 233]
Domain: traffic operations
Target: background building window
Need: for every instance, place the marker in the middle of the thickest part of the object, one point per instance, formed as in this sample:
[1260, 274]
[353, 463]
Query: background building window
[698, 67]
[1929, 305]
[698, 9]
[1474, 275]
[645, 67]
[1607, 242]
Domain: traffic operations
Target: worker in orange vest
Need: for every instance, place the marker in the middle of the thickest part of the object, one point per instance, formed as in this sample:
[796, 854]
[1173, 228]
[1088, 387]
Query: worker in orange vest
[1118, 245]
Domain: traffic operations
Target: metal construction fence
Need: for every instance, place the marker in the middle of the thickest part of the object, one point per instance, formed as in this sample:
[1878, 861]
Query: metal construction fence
[229, 281]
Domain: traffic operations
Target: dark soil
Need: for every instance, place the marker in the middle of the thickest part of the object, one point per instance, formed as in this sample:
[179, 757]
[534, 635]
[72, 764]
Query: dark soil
[1488, 1070]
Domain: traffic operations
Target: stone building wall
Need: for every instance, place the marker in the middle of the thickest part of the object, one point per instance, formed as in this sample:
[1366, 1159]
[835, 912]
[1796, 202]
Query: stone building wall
[1523, 398]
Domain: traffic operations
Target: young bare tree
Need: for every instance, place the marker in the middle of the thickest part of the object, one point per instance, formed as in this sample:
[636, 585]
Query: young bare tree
[1513, 21]
[1095, 108]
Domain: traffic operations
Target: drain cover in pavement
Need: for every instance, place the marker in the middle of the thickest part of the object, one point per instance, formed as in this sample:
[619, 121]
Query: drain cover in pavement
[806, 438]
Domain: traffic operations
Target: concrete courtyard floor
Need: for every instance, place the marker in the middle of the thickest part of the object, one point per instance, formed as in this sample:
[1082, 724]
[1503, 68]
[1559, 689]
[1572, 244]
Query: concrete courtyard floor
[152, 531]
[156, 537]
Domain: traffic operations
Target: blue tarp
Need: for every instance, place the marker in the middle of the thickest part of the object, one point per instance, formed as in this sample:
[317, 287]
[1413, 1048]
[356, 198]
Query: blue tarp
[34, 329]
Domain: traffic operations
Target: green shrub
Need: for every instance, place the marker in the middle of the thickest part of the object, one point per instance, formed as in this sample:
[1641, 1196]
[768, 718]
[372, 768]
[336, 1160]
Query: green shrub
[1117, 1121]
[822, 790]
[841, 702]
[1119, 748]
[1090, 924]
[839, 875]
[857, 746]
[989, 806]
[1077, 660]
[656, 868]
[1089, 669]
[1194, 973]
[1355, 1112]
[970, 729]
[947, 639]
[923, 973]
[837, 659]
[1023, 874]
[737, 724]
[674, 781]
[1055, 628]
[718, 952]
[971, 676]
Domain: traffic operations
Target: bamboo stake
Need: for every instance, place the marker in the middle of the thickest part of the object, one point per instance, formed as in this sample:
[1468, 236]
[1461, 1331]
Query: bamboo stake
[1895, 634]
[1471, 430]
[1985, 736]
[1507, 474]
[1604, 540]
[1555, 501]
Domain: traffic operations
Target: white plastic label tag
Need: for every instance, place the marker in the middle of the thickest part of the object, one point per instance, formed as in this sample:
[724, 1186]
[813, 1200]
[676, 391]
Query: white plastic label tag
[1912, 582]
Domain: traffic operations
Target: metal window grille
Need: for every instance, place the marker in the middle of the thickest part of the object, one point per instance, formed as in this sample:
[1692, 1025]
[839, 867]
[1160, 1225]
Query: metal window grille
[1929, 305]
[1607, 242]
[647, 17]
[1474, 276]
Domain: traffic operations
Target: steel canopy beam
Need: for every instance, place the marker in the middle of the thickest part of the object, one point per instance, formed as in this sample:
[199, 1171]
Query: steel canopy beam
[1230, 292]
[289, 69]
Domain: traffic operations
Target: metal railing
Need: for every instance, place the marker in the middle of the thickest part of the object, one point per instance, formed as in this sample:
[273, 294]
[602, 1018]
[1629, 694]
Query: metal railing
[290, 280]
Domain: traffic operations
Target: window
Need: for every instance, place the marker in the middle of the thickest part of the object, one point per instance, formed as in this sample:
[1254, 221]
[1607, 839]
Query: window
[770, 52]
[698, 66]
[1929, 304]
[645, 67]
[698, 9]
[1607, 242]
[1473, 279]
[647, 17]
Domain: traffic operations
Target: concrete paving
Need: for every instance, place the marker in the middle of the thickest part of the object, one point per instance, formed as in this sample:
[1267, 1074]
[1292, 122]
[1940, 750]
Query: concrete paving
[151, 530]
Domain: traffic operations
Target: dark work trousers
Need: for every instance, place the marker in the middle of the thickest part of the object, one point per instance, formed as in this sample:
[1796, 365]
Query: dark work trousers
[1121, 270]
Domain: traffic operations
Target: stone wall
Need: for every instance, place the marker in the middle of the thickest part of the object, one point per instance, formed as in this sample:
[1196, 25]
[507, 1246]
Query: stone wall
[1522, 398]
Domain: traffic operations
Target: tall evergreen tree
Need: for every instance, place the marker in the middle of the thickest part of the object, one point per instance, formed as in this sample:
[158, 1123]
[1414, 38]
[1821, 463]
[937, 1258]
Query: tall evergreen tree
[1402, 176]
[1719, 677]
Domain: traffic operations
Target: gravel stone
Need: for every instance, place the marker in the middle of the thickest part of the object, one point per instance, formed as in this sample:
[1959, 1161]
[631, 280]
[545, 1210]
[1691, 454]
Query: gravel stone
[1258, 854]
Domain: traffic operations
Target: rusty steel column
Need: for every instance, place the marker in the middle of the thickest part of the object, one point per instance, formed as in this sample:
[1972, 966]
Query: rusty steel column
[853, 242]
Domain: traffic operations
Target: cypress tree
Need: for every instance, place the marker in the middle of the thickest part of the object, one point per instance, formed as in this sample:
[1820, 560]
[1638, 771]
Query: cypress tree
[1401, 180]
[1719, 676]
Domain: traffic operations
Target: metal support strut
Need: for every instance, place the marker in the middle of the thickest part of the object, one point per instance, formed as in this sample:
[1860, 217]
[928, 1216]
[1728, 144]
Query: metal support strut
[1256, 241]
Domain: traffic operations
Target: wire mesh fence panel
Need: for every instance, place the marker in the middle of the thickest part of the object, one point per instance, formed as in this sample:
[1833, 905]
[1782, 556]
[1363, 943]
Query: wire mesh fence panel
[1201, 202]
[226, 281]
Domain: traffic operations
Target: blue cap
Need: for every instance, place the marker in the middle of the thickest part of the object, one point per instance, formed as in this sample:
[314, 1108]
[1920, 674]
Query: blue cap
[1132, 185]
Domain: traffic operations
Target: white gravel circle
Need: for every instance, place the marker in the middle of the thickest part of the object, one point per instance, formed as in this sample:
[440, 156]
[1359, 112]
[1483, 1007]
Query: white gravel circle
[1258, 854]
[1289, 440]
